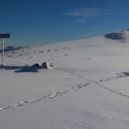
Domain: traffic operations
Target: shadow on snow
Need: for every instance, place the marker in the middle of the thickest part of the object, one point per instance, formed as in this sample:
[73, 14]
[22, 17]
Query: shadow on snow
[21, 69]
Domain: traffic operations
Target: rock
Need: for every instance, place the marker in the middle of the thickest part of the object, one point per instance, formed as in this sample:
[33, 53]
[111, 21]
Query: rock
[36, 65]
[46, 65]
[115, 36]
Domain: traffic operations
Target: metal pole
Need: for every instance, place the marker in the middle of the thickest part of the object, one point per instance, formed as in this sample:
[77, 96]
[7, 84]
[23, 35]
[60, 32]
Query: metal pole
[2, 51]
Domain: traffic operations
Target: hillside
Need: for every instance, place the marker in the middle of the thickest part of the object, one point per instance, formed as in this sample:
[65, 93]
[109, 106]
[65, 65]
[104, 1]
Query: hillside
[86, 89]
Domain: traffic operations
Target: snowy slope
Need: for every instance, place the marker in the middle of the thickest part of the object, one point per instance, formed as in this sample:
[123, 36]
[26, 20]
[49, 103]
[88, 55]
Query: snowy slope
[86, 89]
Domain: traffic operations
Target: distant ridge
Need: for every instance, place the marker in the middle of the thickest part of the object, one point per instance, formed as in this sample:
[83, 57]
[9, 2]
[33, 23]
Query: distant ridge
[121, 36]
[115, 35]
[11, 48]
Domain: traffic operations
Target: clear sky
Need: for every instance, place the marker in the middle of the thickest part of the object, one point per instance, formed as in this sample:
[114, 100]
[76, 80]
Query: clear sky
[48, 21]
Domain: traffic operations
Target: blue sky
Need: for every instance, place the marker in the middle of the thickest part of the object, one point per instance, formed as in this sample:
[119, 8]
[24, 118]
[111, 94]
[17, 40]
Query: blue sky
[49, 21]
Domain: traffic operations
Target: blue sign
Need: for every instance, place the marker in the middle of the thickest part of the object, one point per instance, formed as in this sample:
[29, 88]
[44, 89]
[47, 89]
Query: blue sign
[4, 35]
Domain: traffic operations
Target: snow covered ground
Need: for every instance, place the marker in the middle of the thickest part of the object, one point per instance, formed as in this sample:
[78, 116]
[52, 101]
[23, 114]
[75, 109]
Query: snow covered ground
[87, 88]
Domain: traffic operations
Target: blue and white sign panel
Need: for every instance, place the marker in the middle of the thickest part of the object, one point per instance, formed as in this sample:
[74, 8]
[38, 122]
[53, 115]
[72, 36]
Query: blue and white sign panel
[4, 35]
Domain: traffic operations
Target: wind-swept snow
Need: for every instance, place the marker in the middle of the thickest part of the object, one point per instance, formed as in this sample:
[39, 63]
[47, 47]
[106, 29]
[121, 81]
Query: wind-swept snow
[86, 89]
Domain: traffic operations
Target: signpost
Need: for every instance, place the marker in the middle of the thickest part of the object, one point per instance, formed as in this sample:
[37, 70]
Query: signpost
[3, 36]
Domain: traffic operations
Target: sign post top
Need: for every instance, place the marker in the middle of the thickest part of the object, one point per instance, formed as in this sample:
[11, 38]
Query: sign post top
[4, 35]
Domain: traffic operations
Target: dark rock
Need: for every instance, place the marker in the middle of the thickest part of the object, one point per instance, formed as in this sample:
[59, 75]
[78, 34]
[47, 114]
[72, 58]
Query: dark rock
[46, 65]
[115, 36]
[36, 65]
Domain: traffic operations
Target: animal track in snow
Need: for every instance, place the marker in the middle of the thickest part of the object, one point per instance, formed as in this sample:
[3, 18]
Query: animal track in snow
[47, 97]
[59, 93]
